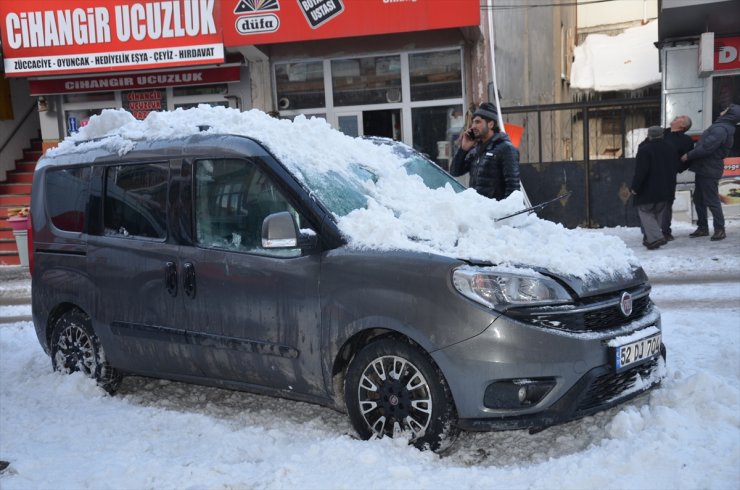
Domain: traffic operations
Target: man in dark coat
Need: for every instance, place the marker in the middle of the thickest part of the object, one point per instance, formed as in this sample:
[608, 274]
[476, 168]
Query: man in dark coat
[706, 161]
[489, 156]
[676, 136]
[653, 184]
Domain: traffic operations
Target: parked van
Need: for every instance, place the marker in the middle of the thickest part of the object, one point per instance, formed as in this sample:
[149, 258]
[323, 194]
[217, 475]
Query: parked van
[240, 259]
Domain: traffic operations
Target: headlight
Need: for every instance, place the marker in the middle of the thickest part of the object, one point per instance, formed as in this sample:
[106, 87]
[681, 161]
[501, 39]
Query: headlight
[501, 290]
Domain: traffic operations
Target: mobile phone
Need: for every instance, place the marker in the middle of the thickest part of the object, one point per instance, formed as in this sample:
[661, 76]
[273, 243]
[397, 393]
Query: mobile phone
[470, 134]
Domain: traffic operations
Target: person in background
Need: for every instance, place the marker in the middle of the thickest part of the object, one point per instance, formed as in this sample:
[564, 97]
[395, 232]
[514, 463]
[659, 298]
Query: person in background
[489, 156]
[706, 161]
[676, 135]
[653, 184]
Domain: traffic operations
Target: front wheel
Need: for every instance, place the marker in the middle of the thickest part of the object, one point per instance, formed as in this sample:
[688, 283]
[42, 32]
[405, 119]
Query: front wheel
[393, 389]
[75, 347]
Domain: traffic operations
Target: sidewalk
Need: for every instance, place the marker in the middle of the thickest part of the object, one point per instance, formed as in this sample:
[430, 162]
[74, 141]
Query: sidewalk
[15, 294]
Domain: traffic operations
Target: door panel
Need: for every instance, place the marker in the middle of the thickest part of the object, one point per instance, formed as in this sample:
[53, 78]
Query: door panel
[134, 268]
[254, 312]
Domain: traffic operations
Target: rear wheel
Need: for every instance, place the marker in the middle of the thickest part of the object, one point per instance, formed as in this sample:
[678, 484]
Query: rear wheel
[393, 389]
[75, 347]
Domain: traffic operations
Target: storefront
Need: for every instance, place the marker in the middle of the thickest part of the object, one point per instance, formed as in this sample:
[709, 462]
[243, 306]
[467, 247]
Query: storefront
[701, 78]
[387, 68]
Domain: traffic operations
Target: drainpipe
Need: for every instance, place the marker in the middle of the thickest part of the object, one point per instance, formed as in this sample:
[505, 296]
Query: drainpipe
[493, 66]
[501, 126]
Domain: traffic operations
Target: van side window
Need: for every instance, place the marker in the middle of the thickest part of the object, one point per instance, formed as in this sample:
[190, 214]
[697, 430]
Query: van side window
[135, 200]
[67, 192]
[232, 199]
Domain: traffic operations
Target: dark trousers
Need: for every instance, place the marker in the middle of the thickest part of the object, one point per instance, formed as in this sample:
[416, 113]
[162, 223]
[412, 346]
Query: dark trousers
[665, 225]
[706, 195]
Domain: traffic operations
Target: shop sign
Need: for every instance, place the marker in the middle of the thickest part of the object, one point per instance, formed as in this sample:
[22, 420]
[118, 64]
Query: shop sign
[46, 37]
[727, 53]
[278, 21]
[141, 102]
[134, 81]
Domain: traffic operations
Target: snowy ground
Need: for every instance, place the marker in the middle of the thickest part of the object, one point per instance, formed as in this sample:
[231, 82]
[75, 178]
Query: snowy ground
[62, 432]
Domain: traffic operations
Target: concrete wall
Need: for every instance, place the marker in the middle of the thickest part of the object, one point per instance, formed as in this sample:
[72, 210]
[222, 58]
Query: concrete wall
[594, 15]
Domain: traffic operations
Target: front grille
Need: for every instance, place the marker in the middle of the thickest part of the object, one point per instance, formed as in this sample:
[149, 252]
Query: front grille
[609, 317]
[590, 315]
[610, 386]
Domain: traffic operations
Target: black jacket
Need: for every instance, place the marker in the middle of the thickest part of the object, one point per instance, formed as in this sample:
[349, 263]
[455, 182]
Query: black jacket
[493, 167]
[655, 172]
[683, 144]
[714, 145]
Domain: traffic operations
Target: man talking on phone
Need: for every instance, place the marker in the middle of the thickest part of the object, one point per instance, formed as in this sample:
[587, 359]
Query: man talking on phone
[489, 156]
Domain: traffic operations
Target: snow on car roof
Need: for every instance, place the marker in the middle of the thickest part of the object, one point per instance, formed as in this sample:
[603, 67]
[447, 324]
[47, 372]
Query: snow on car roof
[402, 213]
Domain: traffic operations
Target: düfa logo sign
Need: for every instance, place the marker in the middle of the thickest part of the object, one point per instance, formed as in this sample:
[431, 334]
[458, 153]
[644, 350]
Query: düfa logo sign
[319, 11]
[257, 24]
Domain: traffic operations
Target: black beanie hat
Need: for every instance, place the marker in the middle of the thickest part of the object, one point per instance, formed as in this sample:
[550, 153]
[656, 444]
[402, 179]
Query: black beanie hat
[487, 111]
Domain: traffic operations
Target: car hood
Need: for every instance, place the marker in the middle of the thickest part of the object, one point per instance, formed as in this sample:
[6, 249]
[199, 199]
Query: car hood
[588, 286]
[595, 286]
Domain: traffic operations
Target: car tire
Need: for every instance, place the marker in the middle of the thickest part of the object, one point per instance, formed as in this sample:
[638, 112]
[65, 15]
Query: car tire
[394, 389]
[76, 348]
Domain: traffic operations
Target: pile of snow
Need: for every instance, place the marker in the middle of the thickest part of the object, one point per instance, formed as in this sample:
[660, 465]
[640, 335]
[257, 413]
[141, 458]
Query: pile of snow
[402, 213]
[627, 61]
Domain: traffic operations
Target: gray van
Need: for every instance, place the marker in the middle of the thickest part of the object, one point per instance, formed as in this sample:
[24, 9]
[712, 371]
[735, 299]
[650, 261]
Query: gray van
[205, 259]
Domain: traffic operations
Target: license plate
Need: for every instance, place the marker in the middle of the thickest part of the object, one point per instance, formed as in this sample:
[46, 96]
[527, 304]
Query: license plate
[628, 355]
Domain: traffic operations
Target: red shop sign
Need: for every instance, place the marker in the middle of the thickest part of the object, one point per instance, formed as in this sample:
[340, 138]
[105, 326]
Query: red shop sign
[134, 81]
[727, 53]
[278, 21]
[46, 37]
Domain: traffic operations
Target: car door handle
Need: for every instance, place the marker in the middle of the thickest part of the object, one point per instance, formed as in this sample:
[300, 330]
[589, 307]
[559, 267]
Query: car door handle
[170, 278]
[188, 280]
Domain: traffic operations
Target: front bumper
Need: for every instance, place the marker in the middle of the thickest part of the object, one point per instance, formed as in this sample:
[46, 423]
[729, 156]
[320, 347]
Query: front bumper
[577, 362]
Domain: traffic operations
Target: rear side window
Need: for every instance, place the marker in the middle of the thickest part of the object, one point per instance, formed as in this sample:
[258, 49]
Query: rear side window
[135, 200]
[67, 192]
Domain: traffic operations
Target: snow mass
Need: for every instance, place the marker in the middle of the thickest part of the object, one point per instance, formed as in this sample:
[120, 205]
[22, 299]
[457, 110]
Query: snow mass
[627, 61]
[402, 213]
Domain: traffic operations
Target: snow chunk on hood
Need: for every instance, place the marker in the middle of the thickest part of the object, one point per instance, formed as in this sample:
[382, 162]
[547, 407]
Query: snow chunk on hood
[401, 213]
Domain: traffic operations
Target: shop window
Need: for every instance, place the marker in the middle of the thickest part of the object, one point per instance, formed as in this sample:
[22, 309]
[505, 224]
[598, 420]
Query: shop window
[78, 118]
[435, 75]
[192, 105]
[726, 91]
[135, 202]
[300, 85]
[370, 80]
[89, 97]
[67, 193]
[435, 131]
[189, 90]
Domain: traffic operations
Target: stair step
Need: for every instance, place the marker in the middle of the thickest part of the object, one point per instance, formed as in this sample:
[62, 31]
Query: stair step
[32, 155]
[8, 246]
[15, 188]
[9, 259]
[6, 233]
[37, 144]
[17, 200]
[17, 177]
[24, 166]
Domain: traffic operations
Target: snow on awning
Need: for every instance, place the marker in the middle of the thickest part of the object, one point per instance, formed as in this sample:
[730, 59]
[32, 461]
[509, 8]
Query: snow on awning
[628, 61]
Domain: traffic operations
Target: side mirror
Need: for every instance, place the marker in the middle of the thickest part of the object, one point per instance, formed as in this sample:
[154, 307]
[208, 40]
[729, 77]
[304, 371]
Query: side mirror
[279, 231]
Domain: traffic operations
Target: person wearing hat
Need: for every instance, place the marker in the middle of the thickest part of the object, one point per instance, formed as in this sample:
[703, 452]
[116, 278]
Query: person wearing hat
[706, 160]
[653, 184]
[488, 155]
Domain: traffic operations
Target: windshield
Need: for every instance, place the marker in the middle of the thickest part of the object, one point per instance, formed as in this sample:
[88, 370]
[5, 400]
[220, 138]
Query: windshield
[344, 192]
